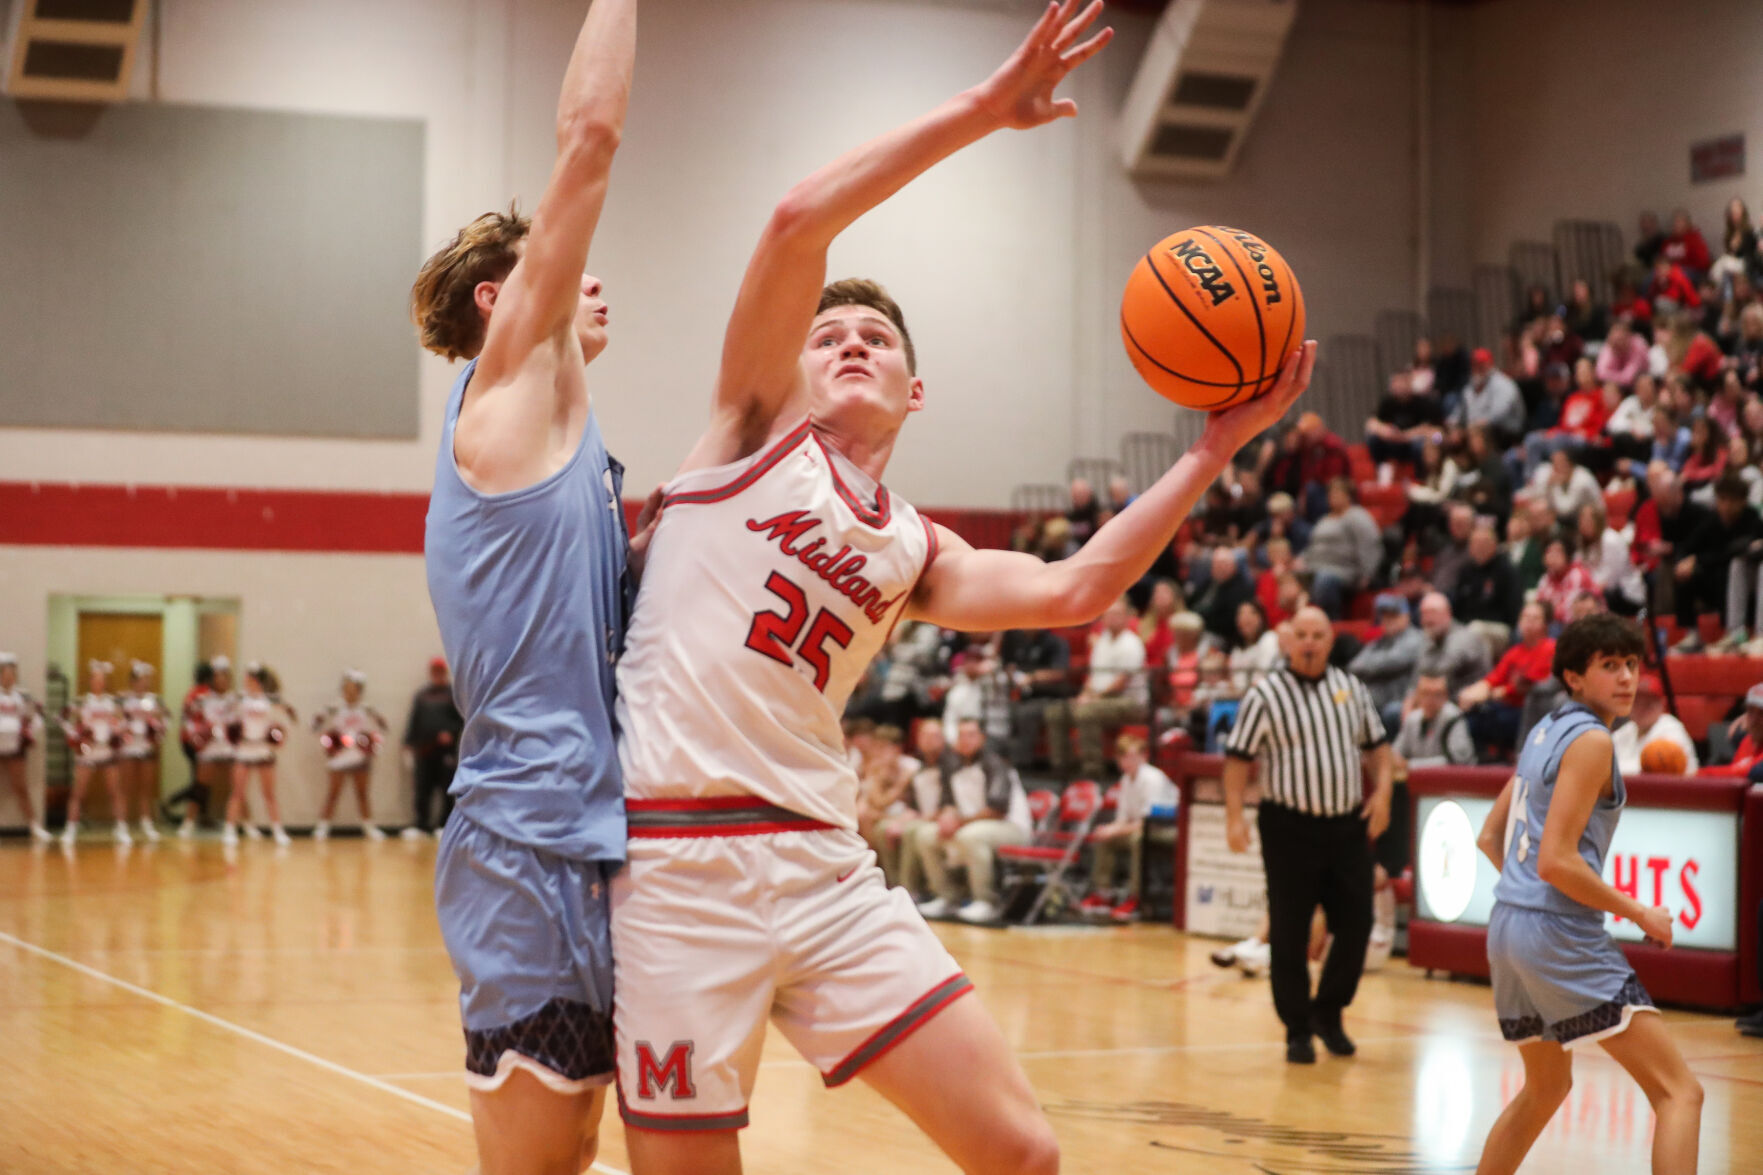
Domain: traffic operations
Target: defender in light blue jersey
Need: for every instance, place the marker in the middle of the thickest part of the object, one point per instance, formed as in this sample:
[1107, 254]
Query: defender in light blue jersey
[527, 568]
[1559, 979]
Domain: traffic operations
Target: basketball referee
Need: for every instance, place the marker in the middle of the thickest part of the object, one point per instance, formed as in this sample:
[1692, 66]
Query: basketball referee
[1317, 731]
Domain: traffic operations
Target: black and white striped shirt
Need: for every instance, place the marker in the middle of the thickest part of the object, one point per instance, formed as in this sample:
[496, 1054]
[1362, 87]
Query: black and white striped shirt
[1311, 734]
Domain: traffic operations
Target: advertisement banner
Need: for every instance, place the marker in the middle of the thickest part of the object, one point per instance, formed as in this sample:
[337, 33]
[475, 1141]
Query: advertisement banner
[1227, 892]
[1686, 861]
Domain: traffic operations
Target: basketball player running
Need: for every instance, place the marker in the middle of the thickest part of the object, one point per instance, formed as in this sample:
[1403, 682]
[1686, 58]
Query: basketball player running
[1559, 979]
[526, 550]
[778, 567]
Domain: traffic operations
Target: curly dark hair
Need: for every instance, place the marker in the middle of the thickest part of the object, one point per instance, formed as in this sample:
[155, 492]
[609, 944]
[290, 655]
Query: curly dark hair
[1599, 635]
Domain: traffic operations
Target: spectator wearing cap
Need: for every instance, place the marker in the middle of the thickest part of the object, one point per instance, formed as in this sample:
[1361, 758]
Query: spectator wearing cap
[1649, 723]
[1747, 757]
[1345, 548]
[1115, 692]
[1449, 650]
[1388, 664]
[1491, 398]
[431, 735]
[1433, 733]
[1495, 704]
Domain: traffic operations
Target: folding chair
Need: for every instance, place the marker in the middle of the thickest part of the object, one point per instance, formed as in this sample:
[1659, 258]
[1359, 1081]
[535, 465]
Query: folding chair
[1042, 803]
[1048, 859]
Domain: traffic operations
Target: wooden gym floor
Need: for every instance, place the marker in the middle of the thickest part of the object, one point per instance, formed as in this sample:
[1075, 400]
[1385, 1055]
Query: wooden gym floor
[164, 1010]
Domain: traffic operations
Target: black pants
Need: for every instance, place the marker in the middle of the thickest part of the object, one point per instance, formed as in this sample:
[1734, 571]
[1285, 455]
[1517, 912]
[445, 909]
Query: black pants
[1311, 861]
[434, 775]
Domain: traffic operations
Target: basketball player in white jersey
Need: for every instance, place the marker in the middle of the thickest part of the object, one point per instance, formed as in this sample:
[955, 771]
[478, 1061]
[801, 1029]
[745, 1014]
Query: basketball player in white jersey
[779, 565]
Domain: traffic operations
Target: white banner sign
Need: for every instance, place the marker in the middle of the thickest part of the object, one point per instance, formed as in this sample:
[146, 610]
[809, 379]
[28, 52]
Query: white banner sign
[1687, 861]
[1227, 892]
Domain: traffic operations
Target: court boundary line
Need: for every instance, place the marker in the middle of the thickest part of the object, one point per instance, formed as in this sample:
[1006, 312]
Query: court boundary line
[255, 1036]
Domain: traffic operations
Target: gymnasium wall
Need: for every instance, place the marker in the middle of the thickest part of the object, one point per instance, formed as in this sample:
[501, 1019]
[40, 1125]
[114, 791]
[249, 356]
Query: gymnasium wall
[1587, 108]
[309, 616]
[1009, 258]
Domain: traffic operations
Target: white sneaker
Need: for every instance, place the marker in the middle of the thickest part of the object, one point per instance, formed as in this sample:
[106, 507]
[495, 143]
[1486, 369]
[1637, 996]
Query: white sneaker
[977, 911]
[40, 833]
[251, 831]
[1227, 956]
[321, 830]
[282, 839]
[71, 833]
[148, 832]
[229, 835]
[122, 833]
[1254, 957]
[934, 908]
[372, 832]
[414, 833]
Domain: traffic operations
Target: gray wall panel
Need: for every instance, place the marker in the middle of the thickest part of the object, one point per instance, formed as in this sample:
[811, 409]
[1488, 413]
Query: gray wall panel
[211, 270]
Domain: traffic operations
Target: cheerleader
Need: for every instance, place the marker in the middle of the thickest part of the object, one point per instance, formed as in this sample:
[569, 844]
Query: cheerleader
[21, 725]
[93, 725]
[208, 718]
[144, 723]
[350, 734]
[1559, 980]
[257, 729]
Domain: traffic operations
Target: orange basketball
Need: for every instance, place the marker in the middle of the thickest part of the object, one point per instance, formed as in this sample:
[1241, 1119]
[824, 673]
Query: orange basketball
[1209, 315]
[1664, 757]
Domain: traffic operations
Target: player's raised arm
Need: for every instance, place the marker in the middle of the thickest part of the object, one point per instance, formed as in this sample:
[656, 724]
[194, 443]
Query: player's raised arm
[986, 590]
[539, 300]
[761, 359]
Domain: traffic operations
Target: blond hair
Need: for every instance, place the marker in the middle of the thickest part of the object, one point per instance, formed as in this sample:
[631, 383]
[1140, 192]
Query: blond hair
[860, 291]
[443, 302]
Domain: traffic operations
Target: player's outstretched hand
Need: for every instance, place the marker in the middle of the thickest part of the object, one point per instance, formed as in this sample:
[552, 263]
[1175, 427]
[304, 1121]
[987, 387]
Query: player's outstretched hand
[1231, 428]
[1655, 923]
[1020, 94]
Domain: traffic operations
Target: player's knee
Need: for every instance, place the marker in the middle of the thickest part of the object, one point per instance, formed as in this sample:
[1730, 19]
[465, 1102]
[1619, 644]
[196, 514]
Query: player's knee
[1685, 1090]
[1029, 1149]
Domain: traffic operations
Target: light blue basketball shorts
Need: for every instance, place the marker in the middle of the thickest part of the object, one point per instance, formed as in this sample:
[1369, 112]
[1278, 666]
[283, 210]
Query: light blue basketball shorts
[1559, 978]
[530, 937]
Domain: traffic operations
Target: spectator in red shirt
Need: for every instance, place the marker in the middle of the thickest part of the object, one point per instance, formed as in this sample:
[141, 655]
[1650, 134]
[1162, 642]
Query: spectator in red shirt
[1707, 459]
[1494, 704]
[1581, 422]
[1692, 352]
[1671, 289]
[1564, 579]
[1685, 247]
[1154, 627]
[1314, 457]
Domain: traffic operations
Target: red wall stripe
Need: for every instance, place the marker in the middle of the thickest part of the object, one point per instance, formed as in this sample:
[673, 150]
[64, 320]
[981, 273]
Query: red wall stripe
[69, 514]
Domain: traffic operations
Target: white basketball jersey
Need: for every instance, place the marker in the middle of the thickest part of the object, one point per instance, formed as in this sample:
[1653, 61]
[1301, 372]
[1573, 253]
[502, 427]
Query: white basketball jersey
[770, 585]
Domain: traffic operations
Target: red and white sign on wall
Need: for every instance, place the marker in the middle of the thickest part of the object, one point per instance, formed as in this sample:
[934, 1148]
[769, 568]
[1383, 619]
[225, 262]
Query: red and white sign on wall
[1685, 861]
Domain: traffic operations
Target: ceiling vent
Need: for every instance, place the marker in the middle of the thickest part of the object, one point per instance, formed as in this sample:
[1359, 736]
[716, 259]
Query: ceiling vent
[73, 50]
[1203, 77]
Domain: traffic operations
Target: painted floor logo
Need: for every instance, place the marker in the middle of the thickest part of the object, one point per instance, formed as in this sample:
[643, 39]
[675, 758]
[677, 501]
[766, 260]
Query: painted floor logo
[1254, 1145]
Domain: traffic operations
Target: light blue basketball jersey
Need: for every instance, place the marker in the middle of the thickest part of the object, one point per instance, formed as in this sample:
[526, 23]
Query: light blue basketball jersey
[529, 588]
[1538, 764]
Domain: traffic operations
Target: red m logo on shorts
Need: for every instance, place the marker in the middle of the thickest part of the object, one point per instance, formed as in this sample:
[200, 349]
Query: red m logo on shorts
[674, 1073]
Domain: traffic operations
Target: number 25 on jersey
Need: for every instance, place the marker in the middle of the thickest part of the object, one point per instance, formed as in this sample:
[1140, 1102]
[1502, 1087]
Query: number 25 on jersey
[775, 634]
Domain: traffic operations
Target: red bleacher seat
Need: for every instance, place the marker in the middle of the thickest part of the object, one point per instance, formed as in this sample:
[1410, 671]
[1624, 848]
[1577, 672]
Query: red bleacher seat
[1365, 631]
[1698, 712]
[1041, 805]
[1699, 674]
[1387, 504]
[1359, 464]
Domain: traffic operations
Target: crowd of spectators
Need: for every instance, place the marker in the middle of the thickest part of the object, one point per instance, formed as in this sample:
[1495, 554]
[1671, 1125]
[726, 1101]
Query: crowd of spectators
[1504, 465]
